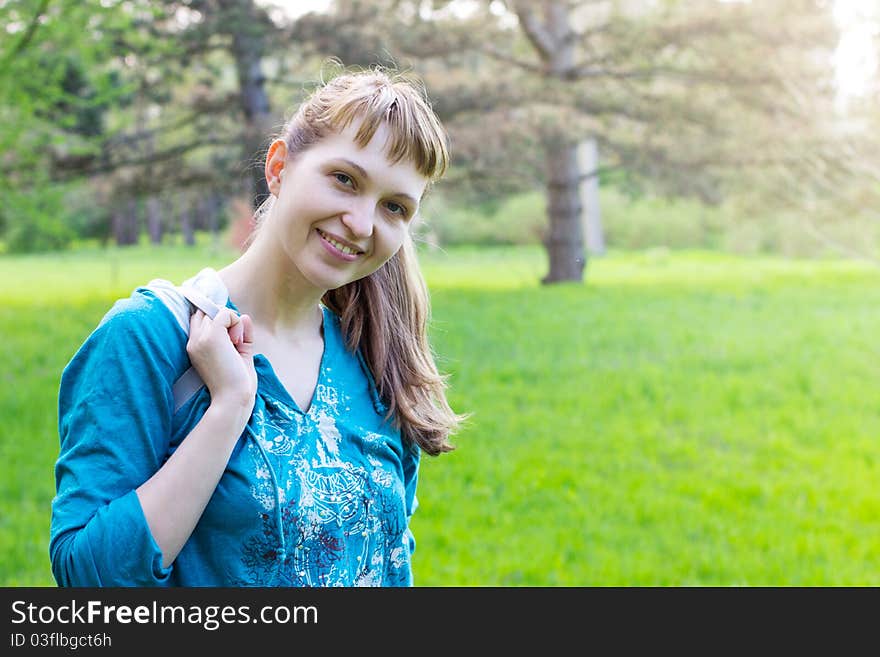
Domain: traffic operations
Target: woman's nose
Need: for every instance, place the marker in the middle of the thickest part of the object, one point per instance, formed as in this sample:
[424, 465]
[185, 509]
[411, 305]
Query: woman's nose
[359, 220]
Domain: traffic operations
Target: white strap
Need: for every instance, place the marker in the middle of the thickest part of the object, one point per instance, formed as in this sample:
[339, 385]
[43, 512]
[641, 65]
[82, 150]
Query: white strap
[199, 300]
[185, 387]
[190, 381]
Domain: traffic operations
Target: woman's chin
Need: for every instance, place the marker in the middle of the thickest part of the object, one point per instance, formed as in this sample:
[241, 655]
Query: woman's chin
[325, 278]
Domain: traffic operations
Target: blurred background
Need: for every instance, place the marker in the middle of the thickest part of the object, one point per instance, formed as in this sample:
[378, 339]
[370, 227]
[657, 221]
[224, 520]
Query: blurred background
[653, 263]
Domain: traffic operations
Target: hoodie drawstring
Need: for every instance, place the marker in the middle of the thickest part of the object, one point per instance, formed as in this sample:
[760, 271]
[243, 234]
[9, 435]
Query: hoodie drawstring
[282, 555]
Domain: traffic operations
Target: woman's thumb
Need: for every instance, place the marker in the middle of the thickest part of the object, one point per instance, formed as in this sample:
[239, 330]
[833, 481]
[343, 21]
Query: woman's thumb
[226, 318]
[246, 345]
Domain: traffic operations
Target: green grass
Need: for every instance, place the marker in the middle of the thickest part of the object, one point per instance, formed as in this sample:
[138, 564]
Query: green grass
[679, 419]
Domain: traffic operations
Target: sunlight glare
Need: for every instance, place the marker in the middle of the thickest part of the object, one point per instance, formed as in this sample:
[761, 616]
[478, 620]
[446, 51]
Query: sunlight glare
[855, 60]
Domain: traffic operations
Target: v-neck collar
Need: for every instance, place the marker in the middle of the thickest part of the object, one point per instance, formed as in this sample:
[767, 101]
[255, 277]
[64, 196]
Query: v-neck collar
[268, 382]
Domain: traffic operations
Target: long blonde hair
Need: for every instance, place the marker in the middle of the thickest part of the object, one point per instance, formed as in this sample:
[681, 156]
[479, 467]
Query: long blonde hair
[385, 315]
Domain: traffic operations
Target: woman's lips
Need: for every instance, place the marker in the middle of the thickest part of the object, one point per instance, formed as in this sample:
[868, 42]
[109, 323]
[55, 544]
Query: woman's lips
[333, 250]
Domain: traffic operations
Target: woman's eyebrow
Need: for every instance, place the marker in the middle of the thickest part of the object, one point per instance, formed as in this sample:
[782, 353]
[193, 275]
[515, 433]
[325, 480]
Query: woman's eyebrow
[363, 174]
[357, 167]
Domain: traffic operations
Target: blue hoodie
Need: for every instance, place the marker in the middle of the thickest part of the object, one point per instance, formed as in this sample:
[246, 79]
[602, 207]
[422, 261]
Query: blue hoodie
[321, 498]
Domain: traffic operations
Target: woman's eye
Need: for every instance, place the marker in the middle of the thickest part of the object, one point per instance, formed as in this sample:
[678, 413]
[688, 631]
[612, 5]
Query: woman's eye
[396, 208]
[344, 179]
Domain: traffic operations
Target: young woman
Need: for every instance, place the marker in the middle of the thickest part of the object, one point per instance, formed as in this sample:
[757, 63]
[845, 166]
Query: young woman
[295, 463]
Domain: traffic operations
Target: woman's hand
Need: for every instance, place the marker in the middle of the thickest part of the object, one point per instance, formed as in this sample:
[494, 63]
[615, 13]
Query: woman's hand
[222, 352]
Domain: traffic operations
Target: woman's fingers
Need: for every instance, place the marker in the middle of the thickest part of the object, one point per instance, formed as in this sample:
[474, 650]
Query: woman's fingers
[239, 328]
[228, 322]
[248, 328]
[236, 332]
[246, 345]
[195, 322]
[226, 318]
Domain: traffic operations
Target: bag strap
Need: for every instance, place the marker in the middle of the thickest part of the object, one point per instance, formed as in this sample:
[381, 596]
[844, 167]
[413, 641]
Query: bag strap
[190, 382]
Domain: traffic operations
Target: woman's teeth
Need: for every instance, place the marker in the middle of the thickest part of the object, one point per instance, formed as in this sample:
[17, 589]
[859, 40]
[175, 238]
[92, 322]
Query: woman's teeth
[341, 247]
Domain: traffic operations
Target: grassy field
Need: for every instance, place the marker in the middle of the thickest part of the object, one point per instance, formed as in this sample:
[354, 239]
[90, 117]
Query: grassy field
[679, 419]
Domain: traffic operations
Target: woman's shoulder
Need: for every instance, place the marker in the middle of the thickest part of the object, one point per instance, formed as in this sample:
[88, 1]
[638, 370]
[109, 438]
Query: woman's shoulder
[152, 322]
[150, 310]
[161, 305]
[137, 338]
[143, 333]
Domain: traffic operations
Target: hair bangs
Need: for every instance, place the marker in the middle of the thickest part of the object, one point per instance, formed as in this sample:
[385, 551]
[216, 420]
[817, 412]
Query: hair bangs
[415, 132]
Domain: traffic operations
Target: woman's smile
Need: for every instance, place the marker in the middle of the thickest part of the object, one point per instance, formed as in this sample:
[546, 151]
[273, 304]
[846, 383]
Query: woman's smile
[335, 246]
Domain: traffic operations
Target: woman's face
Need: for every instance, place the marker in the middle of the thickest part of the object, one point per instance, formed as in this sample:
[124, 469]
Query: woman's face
[341, 210]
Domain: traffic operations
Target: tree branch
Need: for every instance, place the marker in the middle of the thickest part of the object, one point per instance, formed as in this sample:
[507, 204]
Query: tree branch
[67, 169]
[28, 34]
[492, 51]
[536, 32]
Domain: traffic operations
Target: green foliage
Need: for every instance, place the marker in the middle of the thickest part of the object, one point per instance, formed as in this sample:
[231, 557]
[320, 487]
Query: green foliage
[492, 222]
[655, 222]
[629, 223]
[49, 217]
[665, 424]
[86, 217]
[36, 222]
[75, 108]
[643, 222]
[57, 82]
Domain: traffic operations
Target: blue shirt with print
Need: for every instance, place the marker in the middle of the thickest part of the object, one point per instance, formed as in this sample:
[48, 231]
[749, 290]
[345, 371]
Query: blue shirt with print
[321, 498]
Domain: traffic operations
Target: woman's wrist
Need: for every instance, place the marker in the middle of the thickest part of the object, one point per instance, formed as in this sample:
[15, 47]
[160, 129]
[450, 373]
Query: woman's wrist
[230, 412]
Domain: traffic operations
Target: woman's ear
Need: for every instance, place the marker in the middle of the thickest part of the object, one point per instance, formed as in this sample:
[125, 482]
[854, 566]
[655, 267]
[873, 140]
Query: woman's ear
[276, 158]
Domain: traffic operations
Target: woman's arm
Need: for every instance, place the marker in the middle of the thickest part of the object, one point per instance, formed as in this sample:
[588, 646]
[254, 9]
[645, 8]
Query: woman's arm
[175, 497]
[115, 409]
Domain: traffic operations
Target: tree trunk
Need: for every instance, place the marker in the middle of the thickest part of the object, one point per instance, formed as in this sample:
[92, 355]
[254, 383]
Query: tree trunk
[214, 214]
[134, 223]
[214, 218]
[588, 165]
[565, 238]
[248, 46]
[154, 220]
[125, 225]
[118, 223]
[200, 209]
[186, 225]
